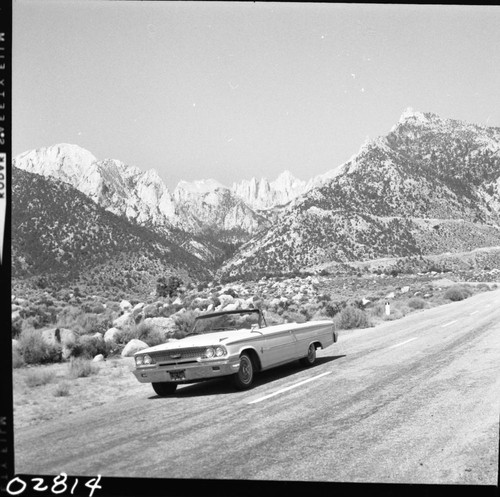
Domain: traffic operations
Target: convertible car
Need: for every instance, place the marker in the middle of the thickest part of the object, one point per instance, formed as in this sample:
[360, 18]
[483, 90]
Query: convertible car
[235, 344]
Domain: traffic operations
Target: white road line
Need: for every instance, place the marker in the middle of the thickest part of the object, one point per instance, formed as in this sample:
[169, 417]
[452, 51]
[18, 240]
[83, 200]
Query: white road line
[448, 324]
[288, 388]
[472, 313]
[402, 343]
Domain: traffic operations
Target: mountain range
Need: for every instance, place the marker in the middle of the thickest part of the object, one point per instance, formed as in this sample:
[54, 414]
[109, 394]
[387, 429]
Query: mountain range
[143, 197]
[430, 185]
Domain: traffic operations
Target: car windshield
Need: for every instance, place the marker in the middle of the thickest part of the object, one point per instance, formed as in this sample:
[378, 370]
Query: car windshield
[222, 322]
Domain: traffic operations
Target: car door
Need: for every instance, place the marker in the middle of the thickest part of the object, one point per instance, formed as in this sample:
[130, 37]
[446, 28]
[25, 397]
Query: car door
[279, 346]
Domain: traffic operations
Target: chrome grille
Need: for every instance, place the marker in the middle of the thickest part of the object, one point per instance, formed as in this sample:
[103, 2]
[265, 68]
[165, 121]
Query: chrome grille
[178, 355]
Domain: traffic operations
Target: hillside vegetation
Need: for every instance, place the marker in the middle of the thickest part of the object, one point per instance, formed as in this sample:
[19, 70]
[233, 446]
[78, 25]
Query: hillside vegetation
[61, 237]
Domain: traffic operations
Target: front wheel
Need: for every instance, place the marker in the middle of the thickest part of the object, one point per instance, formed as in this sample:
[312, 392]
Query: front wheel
[164, 388]
[310, 358]
[243, 379]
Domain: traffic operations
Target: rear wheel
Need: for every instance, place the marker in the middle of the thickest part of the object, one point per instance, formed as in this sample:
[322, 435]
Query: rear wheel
[310, 358]
[164, 388]
[243, 379]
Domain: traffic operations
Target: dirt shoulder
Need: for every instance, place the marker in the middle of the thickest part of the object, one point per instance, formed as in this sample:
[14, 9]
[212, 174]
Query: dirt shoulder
[60, 394]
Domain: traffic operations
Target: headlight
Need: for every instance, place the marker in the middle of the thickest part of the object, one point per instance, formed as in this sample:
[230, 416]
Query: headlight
[220, 351]
[144, 360]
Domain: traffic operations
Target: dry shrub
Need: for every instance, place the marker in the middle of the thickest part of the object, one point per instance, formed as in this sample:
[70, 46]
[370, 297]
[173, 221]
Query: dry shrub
[38, 378]
[438, 300]
[457, 293]
[82, 322]
[352, 317]
[309, 310]
[483, 287]
[151, 310]
[289, 317]
[17, 327]
[416, 303]
[395, 314]
[35, 350]
[126, 334]
[378, 310]
[81, 368]
[88, 347]
[404, 309]
[184, 323]
[17, 359]
[150, 334]
[68, 317]
[61, 390]
[332, 309]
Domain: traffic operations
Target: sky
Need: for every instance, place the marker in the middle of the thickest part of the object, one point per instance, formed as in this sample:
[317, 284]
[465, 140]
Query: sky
[230, 91]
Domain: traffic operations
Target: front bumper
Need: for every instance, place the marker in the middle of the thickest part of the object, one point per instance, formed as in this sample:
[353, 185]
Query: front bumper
[186, 373]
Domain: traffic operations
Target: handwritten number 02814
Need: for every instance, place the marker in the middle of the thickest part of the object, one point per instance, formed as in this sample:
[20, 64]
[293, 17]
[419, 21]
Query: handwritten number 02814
[59, 485]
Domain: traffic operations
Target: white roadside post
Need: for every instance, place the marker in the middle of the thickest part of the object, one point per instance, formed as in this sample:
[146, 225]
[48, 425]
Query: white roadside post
[387, 308]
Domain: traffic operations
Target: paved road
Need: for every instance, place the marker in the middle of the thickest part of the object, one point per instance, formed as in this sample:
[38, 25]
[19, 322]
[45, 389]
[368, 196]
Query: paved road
[413, 400]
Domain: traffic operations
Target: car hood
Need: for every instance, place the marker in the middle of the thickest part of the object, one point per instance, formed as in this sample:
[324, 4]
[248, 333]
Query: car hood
[201, 340]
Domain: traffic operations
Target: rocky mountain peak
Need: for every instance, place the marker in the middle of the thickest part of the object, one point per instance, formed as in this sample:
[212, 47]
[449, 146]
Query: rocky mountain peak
[411, 115]
[152, 176]
[263, 194]
[198, 187]
[209, 204]
[63, 161]
[286, 181]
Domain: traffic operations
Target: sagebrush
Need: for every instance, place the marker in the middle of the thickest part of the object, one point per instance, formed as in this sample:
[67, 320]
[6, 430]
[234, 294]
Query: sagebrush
[457, 293]
[351, 317]
[81, 368]
[35, 350]
[38, 378]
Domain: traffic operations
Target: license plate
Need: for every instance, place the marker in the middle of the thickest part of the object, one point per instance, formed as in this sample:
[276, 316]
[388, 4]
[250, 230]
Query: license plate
[177, 375]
